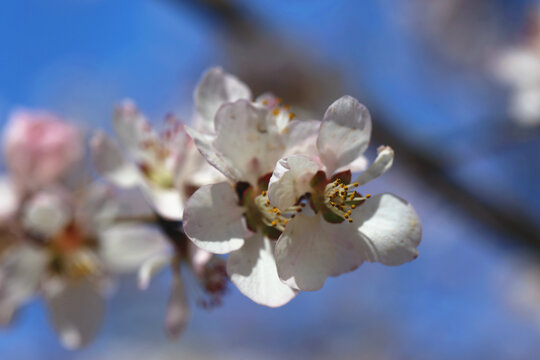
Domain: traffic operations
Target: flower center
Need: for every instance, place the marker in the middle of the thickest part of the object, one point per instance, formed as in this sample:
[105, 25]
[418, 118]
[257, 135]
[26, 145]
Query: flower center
[260, 215]
[272, 216]
[342, 199]
[335, 198]
[160, 150]
[158, 174]
[72, 254]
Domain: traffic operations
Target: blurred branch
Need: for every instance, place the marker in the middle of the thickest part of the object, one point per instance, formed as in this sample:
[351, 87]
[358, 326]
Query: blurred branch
[318, 86]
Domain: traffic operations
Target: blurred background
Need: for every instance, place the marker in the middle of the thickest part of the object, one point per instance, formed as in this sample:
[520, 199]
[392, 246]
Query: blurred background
[451, 85]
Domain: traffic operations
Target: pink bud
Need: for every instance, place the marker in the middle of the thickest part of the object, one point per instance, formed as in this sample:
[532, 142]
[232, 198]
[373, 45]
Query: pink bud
[39, 147]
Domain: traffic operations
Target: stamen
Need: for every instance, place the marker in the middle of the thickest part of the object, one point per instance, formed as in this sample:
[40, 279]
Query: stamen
[341, 199]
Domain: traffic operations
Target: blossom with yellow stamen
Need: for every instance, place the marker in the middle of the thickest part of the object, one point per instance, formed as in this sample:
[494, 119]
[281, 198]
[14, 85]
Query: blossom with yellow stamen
[341, 228]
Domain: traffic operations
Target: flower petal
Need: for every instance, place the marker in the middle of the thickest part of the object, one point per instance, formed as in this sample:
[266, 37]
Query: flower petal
[151, 267]
[198, 258]
[301, 137]
[311, 249]
[253, 270]
[290, 180]
[177, 314]
[10, 200]
[383, 162]
[344, 134]
[392, 228]
[125, 247]
[216, 88]
[109, 161]
[167, 202]
[132, 129]
[248, 137]
[204, 143]
[213, 220]
[76, 309]
[21, 268]
[46, 214]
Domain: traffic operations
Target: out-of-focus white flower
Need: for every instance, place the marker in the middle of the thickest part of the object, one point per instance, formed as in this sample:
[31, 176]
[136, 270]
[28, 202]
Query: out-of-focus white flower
[519, 68]
[153, 161]
[328, 227]
[248, 139]
[166, 165]
[67, 244]
[39, 147]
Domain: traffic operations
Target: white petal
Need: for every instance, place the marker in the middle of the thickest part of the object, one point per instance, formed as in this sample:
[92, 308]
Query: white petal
[21, 269]
[524, 106]
[125, 247]
[46, 214]
[344, 134]
[213, 220]
[167, 202]
[253, 270]
[76, 311]
[518, 67]
[360, 164]
[151, 267]
[10, 200]
[249, 139]
[301, 137]
[132, 129]
[290, 180]
[216, 88]
[109, 161]
[177, 309]
[204, 143]
[198, 258]
[97, 207]
[392, 227]
[383, 162]
[311, 249]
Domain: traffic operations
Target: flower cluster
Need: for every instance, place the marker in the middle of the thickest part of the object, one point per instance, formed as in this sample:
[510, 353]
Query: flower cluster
[248, 178]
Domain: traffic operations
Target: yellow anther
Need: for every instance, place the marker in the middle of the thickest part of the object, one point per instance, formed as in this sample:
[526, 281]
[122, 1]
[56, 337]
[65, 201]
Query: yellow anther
[353, 206]
[346, 216]
[285, 221]
[275, 112]
[274, 223]
[350, 220]
[264, 193]
[267, 202]
[265, 102]
[368, 196]
[355, 184]
[292, 116]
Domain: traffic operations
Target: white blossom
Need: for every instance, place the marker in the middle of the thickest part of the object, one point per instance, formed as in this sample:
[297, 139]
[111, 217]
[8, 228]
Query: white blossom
[328, 227]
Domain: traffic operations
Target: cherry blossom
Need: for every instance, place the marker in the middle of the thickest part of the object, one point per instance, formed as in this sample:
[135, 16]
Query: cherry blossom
[62, 250]
[228, 217]
[327, 227]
